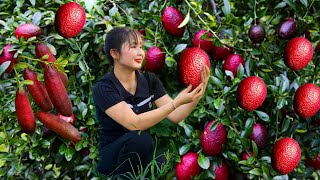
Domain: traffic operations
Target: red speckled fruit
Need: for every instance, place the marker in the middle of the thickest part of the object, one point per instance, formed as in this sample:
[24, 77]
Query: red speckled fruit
[190, 65]
[259, 135]
[155, 59]
[204, 43]
[212, 141]
[298, 53]
[251, 93]
[232, 63]
[221, 171]
[27, 31]
[188, 167]
[171, 19]
[306, 101]
[220, 53]
[286, 155]
[70, 19]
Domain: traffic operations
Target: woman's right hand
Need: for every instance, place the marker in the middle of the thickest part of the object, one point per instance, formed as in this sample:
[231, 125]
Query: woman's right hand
[188, 96]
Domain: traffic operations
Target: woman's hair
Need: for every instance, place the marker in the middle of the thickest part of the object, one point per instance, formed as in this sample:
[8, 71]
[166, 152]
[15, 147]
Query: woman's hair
[117, 37]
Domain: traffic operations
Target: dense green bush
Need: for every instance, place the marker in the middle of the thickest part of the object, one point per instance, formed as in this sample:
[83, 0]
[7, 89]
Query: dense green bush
[37, 156]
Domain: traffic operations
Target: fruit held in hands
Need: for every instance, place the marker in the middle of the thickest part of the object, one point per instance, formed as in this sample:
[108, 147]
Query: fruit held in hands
[190, 65]
[287, 28]
[251, 93]
[24, 112]
[59, 126]
[70, 119]
[155, 59]
[232, 63]
[257, 33]
[212, 141]
[70, 19]
[38, 91]
[306, 102]
[188, 167]
[298, 53]
[199, 40]
[286, 155]
[171, 18]
[57, 91]
[27, 31]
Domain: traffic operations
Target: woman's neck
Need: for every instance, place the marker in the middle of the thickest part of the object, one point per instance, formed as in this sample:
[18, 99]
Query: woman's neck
[127, 78]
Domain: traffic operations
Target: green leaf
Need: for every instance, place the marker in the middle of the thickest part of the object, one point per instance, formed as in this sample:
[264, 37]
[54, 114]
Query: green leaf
[185, 20]
[285, 125]
[21, 65]
[248, 127]
[27, 82]
[4, 148]
[170, 61]
[33, 2]
[217, 81]
[179, 48]
[256, 171]
[62, 148]
[304, 2]
[36, 18]
[68, 153]
[113, 11]
[281, 102]
[85, 47]
[4, 66]
[81, 168]
[262, 115]
[226, 8]
[184, 149]
[203, 161]
[255, 148]
[214, 125]
[280, 5]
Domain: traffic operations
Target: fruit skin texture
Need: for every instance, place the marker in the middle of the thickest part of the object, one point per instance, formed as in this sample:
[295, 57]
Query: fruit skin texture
[57, 92]
[27, 31]
[24, 112]
[256, 33]
[38, 91]
[287, 28]
[251, 93]
[212, 141]
[205, 44]
[286, 155]
[259, 135]
[60, 126]
[306, 102]
[155, 59]
[41, 50]
[298, 53]
[221, 171]
[188, 166]
[171, 18]
[7, 56]
[220, 53]
[70, 19]
[313, 163]
[70, 119]
[232, 63]
[190, 65]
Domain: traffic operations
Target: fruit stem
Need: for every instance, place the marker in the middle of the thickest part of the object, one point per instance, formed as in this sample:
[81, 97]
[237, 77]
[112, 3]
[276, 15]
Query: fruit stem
[255, 12]
[308, 9]
[277, 126]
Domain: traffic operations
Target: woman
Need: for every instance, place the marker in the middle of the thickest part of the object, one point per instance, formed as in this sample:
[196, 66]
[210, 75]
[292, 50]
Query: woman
[123, 99]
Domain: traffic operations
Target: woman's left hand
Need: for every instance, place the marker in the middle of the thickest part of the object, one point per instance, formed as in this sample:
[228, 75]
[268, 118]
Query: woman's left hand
[205, 74]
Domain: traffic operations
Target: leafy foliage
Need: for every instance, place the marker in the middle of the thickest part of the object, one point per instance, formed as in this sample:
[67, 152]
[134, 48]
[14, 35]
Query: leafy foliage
[38, 156]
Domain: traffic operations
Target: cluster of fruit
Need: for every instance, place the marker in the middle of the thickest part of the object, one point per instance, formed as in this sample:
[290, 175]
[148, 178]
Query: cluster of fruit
[52, 94]
[251, 91]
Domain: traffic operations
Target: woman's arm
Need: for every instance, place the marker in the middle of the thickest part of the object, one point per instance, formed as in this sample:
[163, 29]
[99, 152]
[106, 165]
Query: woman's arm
[184, 110]
[124, 115]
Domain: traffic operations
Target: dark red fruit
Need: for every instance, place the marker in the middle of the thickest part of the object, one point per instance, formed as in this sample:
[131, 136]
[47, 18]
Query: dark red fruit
[286, 155]
[256, 33]
[251, 93]
[27, 31]
[221, 171]
[70, 19]
[232, 63]
[188, 167]
[212, 141]
[7, 55]
[306, 102]
[59, 126]
[245, 156]
[155, 59]
[313, 163]
[38, 91]
[287, 28]
[171, 19]
[298, 53]
[24, 112]
[42, 50]
[201, 42]
[190, 65]
[259, 135]
[57, 91]
[220, 53]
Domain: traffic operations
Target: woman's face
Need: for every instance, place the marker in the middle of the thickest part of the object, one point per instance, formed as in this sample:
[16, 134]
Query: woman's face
[132, 54]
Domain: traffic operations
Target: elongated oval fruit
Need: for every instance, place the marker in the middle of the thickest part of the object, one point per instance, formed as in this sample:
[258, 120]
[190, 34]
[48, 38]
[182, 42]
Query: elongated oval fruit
[24, 112]
[27, 31]
[38, 91]
[41, 50]
[287, 28]
[57, 92]
[171, 18]
[59, 126]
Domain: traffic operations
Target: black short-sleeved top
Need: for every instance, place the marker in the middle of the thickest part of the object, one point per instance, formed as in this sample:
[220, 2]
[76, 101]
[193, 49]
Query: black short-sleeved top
[108, 91]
